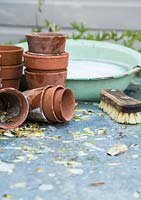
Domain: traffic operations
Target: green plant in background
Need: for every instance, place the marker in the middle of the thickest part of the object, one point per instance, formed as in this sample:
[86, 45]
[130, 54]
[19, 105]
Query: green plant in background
[52, 27]
[37, 27]
[128, 38]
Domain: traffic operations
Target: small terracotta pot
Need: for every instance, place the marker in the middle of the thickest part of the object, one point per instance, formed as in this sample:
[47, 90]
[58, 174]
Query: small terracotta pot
[34, 97]
[11, 83]
[47, 103]
[11, 72]
[64, 104]
[11, 55]
[35, 80]
[46, 62]
[16, 105]
[46, 43]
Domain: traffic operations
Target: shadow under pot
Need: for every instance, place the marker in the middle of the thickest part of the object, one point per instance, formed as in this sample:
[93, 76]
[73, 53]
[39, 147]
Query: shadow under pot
[44, 78]
[46, 62]
[46, 42]
[11, 55]
[11, 76]
[14, 108]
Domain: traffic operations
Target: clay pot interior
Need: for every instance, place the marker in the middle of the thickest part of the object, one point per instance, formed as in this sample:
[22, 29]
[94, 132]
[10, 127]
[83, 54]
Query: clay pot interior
[11, 55]
[46, 62]
[47, 103]
[64, 104]
[46, 43]
[14, 108]
[36, 79]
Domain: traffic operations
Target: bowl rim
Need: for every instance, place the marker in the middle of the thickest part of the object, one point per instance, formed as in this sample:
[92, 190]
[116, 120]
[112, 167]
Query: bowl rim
[111, 46]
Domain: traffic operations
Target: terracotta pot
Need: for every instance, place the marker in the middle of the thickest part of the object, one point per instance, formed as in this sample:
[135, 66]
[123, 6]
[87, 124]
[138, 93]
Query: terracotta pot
[46, 98]
[46, 62]
[15, 105]
[64, 104]
[0, 74]
[35, 80]
[34, 97]
[46, 43]
[11, 55]
[11, 76]
[11, 72]
[11, 83]
[47, 103]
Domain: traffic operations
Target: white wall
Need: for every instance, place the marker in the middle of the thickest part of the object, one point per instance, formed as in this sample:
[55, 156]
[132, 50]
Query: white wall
[17, 17]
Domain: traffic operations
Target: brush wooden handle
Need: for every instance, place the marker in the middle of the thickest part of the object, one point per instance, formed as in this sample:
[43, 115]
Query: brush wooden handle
[121, 101]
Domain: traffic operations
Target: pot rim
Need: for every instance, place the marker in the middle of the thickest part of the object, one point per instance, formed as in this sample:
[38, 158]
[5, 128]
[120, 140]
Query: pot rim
[12, 48]
[11, 66]
[54, 88]
[23, 115]
[61, 105]
[43, 73]
[41, 102]
[46, 35]
[45, 56]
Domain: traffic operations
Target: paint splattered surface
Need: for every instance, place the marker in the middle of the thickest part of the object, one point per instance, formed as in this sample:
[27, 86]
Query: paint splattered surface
[71, 161]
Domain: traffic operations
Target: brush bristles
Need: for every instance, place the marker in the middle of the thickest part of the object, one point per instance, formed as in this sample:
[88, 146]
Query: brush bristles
[118, 116]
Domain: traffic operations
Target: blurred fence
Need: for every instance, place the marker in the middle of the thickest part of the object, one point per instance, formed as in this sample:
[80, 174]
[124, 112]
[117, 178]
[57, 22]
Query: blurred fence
[17, 17]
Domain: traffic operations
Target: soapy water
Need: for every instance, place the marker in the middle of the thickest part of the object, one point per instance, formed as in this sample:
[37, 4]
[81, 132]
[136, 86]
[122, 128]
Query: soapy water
[94, 69]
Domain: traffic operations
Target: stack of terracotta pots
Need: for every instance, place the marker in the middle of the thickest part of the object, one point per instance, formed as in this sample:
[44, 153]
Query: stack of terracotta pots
[46, 61]
[11, 65]
[46, 65]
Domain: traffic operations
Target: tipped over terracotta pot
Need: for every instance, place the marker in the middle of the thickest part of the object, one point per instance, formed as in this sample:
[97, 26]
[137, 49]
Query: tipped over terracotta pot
[50, 109]
[11, 55]
[14, 108]
[46, 42]
[44, 78]
[46, 62]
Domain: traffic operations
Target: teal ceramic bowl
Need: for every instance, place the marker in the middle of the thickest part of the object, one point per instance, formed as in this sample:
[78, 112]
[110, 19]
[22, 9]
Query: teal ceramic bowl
[94, 66]
[121, 64]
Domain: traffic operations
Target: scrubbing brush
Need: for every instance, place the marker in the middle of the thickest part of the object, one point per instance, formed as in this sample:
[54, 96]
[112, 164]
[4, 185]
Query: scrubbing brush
[120, 107]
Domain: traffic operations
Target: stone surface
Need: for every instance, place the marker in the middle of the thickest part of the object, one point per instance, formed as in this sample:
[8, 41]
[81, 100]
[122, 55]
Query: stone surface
[71, 162]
